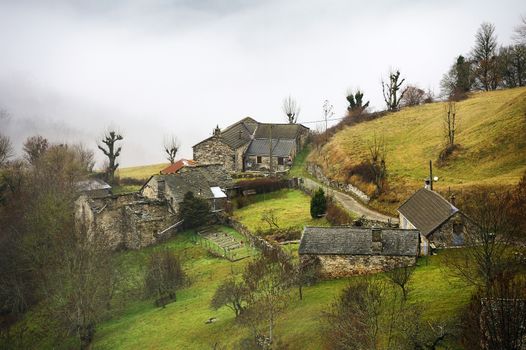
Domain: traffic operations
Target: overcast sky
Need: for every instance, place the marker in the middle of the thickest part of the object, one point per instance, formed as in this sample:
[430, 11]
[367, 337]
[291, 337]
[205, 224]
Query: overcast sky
[151, 68]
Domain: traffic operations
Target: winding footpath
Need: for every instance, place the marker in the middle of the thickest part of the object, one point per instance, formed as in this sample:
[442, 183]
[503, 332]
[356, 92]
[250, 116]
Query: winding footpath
[349, 202]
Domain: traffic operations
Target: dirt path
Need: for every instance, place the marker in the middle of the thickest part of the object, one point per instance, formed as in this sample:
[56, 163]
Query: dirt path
[349, 202]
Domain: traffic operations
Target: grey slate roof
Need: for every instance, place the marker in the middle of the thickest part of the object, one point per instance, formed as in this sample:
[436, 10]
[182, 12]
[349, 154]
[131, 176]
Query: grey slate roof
[237, 134]
[280, 148]
[197, 179]
[279, 131]
[427, 210]
[92, 185]
[358, 241]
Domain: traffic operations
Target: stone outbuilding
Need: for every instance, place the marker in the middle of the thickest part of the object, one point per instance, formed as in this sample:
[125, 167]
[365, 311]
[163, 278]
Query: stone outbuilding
[176, 166]
[347, 251]
[208, 181]
[439, 221]
[246, 146]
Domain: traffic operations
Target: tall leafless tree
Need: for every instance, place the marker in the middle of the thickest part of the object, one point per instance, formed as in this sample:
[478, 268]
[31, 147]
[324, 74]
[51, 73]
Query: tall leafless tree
[450, 127]
[6, 149]
[112, 151]
[485, 57]
[520, 32]
[291, 109]
[377, 162]
[391, 91]
[328, 113]
[171, 146]
[413, 96]
[34, 148]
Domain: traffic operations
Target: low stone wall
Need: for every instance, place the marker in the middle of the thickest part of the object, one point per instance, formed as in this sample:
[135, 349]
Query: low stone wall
[338, 266]
[317, 172]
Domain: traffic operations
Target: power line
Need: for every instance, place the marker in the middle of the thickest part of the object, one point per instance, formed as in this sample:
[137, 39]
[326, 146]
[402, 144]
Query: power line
[321, 121]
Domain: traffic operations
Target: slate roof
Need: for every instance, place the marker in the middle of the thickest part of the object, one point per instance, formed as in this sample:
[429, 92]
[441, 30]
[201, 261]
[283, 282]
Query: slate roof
[92, 185]
[358, 241]
[237, 134]
[175, 167]
[427, 210]
[280, 148]
[279, 131]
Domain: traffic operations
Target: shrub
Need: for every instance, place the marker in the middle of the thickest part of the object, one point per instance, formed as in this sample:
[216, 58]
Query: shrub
[194, 211]
[164, 275]
[336, 215]
[263, 185]
[318, 204]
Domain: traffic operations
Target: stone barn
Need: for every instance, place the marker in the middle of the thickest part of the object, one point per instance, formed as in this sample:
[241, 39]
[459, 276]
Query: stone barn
[208, 181]
[347, 251]
[246, 146]
[439, 221]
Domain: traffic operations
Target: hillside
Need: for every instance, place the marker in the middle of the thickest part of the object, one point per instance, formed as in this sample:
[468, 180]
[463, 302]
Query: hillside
[491, 135]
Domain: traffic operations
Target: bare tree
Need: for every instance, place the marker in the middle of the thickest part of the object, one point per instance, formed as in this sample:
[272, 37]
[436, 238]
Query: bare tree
[164, 276]
[485, 57]
[401, 278]
[171, 146]
[413, 96]
[231, 294]
[519, 35]
[269, 216]
[110, 139]
[450, 127]
[291, 109]
[328, 113]
[377, 162]
[391, 91]
[85, 156]
[6, 149]
[34, 148]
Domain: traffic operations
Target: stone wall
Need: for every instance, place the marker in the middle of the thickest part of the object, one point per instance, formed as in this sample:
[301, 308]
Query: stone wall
[215, 151]
[127, 222]
[265, 164]
[445, 236]
[317, 172]
[338, 266]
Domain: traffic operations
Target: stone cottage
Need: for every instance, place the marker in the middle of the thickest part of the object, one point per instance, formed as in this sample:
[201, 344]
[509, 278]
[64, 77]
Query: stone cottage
[127, 221]
[346, 251]
[246, 146]
[208, 181]
[440, 223]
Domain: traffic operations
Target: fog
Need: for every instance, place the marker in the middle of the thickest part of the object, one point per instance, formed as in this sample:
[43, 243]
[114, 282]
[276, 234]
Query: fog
[71, 69]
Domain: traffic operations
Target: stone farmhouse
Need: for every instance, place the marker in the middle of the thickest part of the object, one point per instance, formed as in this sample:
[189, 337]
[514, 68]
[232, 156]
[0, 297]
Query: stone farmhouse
[251, 146]
[208, 181]
[440, 223]
[346, 251]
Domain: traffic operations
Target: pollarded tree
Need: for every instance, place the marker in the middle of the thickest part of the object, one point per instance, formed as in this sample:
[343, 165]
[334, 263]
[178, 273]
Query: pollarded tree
[34, 147]
[356, 102]
[171, 146]
[391, 91]
[110, 139]
[291, 109]
[485, 57]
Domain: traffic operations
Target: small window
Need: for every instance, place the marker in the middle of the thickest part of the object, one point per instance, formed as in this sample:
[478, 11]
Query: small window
[258, 159]
[280, 160]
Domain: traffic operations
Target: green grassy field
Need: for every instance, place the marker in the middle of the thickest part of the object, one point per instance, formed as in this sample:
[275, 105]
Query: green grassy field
[491, 134]
[291, 207]
[181, 325]
[140, 172]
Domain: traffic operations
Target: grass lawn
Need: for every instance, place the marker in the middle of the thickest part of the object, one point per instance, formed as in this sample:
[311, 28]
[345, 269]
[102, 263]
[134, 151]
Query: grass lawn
[298, 167]
[291, 207]
[181, 325]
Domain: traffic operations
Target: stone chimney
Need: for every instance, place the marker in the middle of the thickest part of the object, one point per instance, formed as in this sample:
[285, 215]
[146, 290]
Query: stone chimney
[377, 245]
[427, 184]
[217, 131]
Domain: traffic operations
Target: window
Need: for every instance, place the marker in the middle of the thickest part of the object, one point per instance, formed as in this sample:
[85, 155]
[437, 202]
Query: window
[258, 159]
[280, 160]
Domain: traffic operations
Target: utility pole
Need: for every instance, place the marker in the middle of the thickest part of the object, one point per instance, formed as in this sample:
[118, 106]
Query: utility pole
[431, 175]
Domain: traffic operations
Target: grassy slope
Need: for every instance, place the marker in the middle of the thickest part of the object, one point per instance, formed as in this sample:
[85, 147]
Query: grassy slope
[291, 207]
[141, 172]
[181, 324]
[491, 134]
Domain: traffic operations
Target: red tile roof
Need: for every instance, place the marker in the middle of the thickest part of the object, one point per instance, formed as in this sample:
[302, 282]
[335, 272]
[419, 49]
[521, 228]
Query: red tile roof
[175, 167]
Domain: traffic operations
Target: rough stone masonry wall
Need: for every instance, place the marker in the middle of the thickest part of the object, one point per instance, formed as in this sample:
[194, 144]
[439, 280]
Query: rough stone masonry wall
[337, 266]
[317, 172]
[215, 151]
[444, 236]
[265, 164]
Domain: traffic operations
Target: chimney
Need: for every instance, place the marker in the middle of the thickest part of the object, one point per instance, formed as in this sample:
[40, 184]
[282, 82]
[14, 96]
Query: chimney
[376, 245]
[427, 184]
[217, 131]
